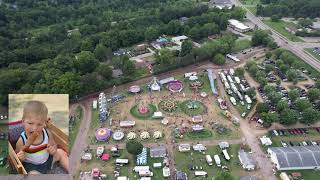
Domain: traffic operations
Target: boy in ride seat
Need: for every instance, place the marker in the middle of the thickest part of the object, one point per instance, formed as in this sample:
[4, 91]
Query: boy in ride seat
[36, 147]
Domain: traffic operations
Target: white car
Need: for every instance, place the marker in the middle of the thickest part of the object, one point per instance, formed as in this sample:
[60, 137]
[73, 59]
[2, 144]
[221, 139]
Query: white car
[243, 114]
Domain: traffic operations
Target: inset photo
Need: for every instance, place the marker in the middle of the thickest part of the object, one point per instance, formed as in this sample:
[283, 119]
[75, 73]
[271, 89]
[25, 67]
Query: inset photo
[38, 133]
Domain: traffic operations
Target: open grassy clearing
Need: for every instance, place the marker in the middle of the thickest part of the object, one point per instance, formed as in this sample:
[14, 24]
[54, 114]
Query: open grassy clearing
[241, 45]
[280, 27]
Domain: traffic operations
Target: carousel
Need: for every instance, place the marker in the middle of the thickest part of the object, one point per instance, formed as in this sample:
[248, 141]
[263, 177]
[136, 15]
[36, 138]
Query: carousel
[103, 134]
[118, 135]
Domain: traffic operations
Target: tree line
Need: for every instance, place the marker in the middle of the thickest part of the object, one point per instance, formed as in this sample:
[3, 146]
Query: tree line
[62, 46]
[289, 8]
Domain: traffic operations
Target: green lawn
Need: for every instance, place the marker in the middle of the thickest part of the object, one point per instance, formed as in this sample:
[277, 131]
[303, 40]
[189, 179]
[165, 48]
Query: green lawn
[241, 45]
[73, 131]
[201, 108]
[310, 50]
[306, 174]
[198, 159]
[280, 27]
[250, 2]
[252, 9]
[312, 73]
[135, 112]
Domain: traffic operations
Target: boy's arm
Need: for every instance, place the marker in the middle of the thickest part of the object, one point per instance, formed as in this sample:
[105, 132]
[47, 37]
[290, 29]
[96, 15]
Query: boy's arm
[19, 145]
[20, 153]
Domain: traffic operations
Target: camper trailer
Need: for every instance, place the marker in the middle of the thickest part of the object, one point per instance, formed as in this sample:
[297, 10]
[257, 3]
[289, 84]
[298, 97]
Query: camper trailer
[217, 160]
[226, 155]
[209, 160]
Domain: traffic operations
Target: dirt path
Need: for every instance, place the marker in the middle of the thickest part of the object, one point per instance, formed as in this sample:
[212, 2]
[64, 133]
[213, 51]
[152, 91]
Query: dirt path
[264, 164]
[80, 141]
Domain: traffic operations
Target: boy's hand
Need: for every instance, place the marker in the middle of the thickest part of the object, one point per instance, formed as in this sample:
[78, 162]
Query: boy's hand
[52, 149]
[21, 155]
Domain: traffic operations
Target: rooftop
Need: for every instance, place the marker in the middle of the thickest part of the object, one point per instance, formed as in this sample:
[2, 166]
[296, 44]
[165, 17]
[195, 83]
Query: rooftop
[297, 156]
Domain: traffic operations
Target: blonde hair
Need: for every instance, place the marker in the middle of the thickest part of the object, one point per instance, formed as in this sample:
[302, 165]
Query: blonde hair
[37, 108]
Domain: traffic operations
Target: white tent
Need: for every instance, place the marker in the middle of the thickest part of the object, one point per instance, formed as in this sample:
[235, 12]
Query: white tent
[157, 135]
[100, 150]
[265, 141]
[87, 156]
[145, 135]
[131, 135]
[165, 121]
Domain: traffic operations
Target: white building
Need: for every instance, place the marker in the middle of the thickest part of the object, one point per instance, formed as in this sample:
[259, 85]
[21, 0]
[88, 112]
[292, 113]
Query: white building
[295, 157]
[246, 160]
[238, 26]
[179, 39]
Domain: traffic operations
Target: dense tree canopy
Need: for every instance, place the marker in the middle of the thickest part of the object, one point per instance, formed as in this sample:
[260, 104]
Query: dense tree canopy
[293, 8]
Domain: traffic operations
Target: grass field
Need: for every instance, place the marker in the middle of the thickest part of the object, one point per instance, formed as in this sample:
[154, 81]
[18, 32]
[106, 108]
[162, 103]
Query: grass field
[280, 27]
[307, 174]
[252, 9]
[198, 159]
[250, 2]
[310, 50]
[241, 45]
[4, 151]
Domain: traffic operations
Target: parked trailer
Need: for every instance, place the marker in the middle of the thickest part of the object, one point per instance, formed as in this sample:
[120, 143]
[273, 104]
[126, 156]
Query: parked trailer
[141, 168]
[233, 58]
[230, 78]
[217, 160]
[209, 160]
[226, 85]
[237, 79]
[200, 173]
[226, 155]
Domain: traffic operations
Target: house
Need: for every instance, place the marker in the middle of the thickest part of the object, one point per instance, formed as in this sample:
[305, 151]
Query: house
[220, 4]
[179, 39]
[181, 175]
[238, 26]
[183, 20]
[295, 157]
[158, 151]
[246, 159]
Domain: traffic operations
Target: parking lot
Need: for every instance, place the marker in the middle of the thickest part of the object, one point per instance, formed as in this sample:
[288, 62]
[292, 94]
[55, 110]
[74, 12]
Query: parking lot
[295, 137]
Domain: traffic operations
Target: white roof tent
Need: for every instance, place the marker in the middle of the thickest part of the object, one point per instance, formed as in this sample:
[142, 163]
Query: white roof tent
[246, 160]
[238, 26]
[265, 141]
[295, 157]
[184, 147]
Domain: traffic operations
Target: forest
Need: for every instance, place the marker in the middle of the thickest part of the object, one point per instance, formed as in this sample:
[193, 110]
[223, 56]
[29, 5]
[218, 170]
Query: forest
[66, 46]
[289, 8]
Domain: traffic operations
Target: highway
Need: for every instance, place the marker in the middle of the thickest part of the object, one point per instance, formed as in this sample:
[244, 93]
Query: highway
[294, 47]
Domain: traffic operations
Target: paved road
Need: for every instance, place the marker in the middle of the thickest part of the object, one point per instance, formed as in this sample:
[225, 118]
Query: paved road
[295, 47]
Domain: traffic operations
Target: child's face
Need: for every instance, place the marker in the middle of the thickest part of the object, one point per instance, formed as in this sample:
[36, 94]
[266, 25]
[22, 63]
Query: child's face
[34, 123]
